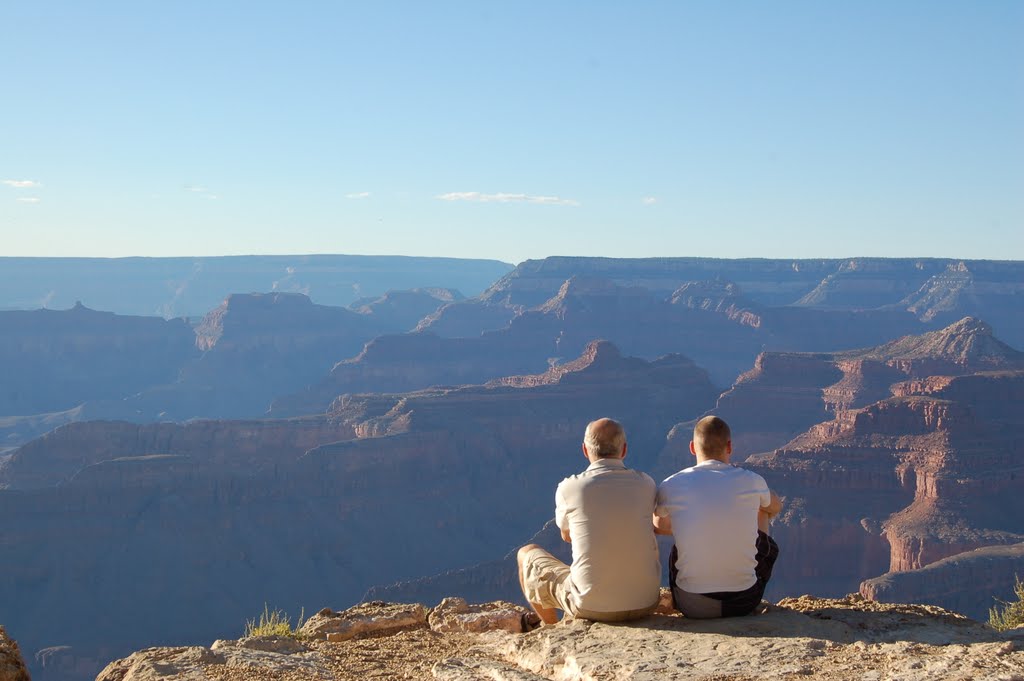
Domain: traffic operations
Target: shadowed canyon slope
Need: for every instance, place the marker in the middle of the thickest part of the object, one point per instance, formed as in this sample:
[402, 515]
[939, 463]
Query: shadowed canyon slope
[55, 360]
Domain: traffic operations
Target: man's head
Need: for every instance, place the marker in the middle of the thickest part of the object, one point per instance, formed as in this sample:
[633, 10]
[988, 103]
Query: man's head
[712, 439]
[604, 439]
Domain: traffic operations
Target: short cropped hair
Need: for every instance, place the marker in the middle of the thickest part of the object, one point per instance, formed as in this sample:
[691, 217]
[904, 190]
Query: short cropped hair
[711, 435]
[604, 438]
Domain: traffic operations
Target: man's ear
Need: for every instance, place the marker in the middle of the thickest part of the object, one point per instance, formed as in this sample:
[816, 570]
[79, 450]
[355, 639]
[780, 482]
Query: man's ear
[584, 445]
[693, 449]
[625, 445]
[728, 446]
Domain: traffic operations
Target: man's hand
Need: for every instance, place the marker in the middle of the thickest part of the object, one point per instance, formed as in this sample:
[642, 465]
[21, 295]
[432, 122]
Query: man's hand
[565, 536]
[662, 524]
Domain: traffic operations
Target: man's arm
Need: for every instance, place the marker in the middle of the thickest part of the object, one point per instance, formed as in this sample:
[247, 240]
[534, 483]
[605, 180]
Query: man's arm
[774, 507]
[662, 524]
[565, 536]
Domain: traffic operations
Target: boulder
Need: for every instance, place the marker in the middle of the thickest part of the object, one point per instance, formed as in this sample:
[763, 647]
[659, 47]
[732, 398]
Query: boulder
[375, 617]
[12, 666]
[235, 658]
[454, 614]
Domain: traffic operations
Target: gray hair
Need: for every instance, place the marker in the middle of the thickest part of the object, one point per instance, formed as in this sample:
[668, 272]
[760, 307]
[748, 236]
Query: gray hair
[604, 438]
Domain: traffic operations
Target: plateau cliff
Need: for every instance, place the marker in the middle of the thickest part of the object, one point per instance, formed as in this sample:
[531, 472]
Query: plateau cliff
[54, 360]
[830, 639]
[189, 287]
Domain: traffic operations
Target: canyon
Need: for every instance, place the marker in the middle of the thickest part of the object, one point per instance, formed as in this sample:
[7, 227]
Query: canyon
[281, 449]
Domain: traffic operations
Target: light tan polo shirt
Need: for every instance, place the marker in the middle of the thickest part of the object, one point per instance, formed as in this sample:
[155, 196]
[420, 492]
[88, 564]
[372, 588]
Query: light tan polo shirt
[607, 510]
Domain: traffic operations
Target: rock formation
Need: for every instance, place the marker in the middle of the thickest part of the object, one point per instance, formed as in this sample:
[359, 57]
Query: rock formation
[54, 360]
[800, 637]
[927, 471]
[398, 311]
[12, 666]
[786, 393]
[189, 287]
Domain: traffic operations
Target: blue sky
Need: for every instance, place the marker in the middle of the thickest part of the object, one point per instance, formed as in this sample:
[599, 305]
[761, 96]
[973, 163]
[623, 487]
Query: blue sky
[513, 130]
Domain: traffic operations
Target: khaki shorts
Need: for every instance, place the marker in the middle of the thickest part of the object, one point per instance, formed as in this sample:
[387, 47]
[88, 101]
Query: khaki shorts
[546, 582]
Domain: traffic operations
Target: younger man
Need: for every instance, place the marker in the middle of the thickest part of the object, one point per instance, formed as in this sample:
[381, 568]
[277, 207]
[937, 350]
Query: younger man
[719, 516]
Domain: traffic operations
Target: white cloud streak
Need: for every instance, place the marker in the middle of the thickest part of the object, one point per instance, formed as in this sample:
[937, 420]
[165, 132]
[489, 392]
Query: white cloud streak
[358, 195]
[21, 184]
[502, 197]
[28, 199]
[649, 200]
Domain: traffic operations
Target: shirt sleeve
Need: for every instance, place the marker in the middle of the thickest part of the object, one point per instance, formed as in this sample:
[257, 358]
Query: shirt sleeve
[766, 495]
[561, 511]
[660, 509]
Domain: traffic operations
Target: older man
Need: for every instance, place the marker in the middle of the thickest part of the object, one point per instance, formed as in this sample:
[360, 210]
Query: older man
[719, 515]
[605, 513]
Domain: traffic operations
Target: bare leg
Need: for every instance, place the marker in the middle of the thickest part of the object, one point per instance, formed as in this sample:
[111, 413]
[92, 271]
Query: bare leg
[547, 615]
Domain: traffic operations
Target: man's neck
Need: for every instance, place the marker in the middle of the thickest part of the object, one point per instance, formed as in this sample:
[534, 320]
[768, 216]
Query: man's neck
[721, 459]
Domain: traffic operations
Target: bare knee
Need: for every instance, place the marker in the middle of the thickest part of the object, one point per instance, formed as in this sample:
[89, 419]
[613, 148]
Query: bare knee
[521, 555]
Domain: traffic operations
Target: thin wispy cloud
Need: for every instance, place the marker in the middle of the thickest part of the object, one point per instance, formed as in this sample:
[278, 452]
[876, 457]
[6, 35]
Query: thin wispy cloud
[21, 184]
[202, 191]
[502, 197]
[28, 199]
[358, 195]
[649, 200]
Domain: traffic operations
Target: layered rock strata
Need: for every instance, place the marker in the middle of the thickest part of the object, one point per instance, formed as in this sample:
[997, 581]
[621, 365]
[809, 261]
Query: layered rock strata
[54, 360]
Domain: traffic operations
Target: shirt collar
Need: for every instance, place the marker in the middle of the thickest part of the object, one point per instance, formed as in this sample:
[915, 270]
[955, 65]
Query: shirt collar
[713, 463]
[606, 463]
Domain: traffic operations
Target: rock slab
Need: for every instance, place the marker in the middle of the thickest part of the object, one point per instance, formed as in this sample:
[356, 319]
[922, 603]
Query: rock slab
[455, 614]
[375, 617]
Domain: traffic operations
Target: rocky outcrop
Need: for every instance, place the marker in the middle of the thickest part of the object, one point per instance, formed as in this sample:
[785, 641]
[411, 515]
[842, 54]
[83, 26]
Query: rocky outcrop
[969, 582]
[12, 666]
[468, 319]
[365, 618]
[398, 311]
[989, 290]
[833, 640]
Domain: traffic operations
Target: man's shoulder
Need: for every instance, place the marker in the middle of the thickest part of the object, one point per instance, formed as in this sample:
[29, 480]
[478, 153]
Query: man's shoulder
[753, 475]
[693, 474]
[591, 476]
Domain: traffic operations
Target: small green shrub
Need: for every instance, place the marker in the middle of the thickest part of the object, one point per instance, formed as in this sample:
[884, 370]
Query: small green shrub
[1011, 614]
[273, 623]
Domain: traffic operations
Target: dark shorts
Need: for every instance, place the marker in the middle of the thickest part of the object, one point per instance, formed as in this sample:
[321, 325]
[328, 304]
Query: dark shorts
[727, 603]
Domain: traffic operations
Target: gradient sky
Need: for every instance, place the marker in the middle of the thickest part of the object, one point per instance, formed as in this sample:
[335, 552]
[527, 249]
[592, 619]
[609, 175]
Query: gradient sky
[513, 130]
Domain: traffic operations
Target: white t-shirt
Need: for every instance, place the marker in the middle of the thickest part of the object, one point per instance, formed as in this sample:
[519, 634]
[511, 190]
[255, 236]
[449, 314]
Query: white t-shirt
[607, 510]
[713, 507]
